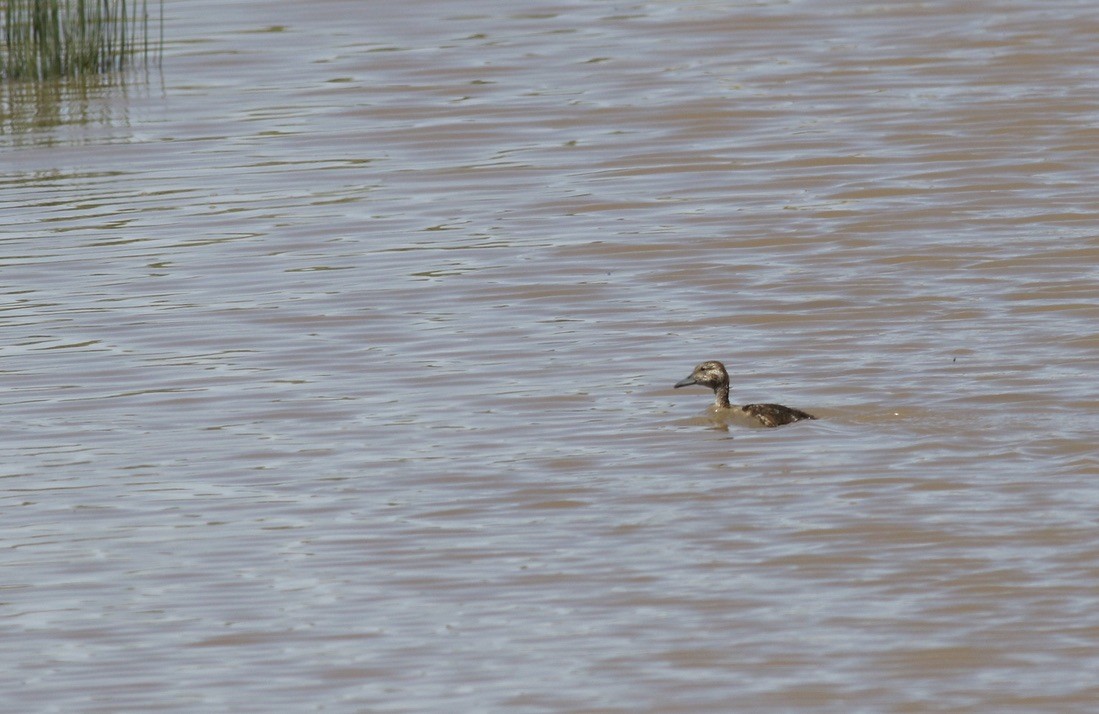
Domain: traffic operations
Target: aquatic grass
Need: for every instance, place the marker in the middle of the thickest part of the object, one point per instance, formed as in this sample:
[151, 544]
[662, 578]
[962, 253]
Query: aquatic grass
[46, 39]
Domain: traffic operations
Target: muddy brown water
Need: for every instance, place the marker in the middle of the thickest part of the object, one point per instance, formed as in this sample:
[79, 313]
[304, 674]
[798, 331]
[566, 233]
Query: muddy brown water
[337, 362]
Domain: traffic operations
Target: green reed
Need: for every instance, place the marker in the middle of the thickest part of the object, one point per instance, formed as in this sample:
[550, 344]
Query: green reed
[46, 39]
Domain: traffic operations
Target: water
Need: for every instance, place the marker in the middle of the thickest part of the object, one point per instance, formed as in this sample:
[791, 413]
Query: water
[338, 362]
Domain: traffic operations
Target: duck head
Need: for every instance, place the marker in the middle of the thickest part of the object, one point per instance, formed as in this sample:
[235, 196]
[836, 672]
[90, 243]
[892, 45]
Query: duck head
[710, 374]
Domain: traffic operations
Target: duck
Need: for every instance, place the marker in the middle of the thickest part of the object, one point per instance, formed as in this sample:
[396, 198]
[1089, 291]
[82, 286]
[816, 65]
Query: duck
[712, 374]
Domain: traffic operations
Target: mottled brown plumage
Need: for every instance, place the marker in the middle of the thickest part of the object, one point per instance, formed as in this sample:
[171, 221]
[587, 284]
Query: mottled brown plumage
[712, 374]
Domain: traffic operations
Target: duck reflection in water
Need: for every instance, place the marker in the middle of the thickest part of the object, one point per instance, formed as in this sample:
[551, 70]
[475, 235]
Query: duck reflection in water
[712, 374]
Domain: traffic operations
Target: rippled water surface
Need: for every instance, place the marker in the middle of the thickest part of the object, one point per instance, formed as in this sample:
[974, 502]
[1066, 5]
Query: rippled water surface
[338, 355]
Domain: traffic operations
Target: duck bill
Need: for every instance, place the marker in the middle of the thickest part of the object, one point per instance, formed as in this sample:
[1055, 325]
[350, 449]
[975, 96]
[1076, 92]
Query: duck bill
[685, 382]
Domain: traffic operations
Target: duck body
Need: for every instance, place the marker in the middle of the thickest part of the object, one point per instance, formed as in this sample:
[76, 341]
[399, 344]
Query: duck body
[712, 374]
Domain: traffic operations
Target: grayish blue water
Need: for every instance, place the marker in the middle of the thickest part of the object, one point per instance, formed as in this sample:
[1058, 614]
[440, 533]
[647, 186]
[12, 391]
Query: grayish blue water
[337, 362]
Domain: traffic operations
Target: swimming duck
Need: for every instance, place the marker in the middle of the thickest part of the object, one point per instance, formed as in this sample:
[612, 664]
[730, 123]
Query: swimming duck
[712, 374]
